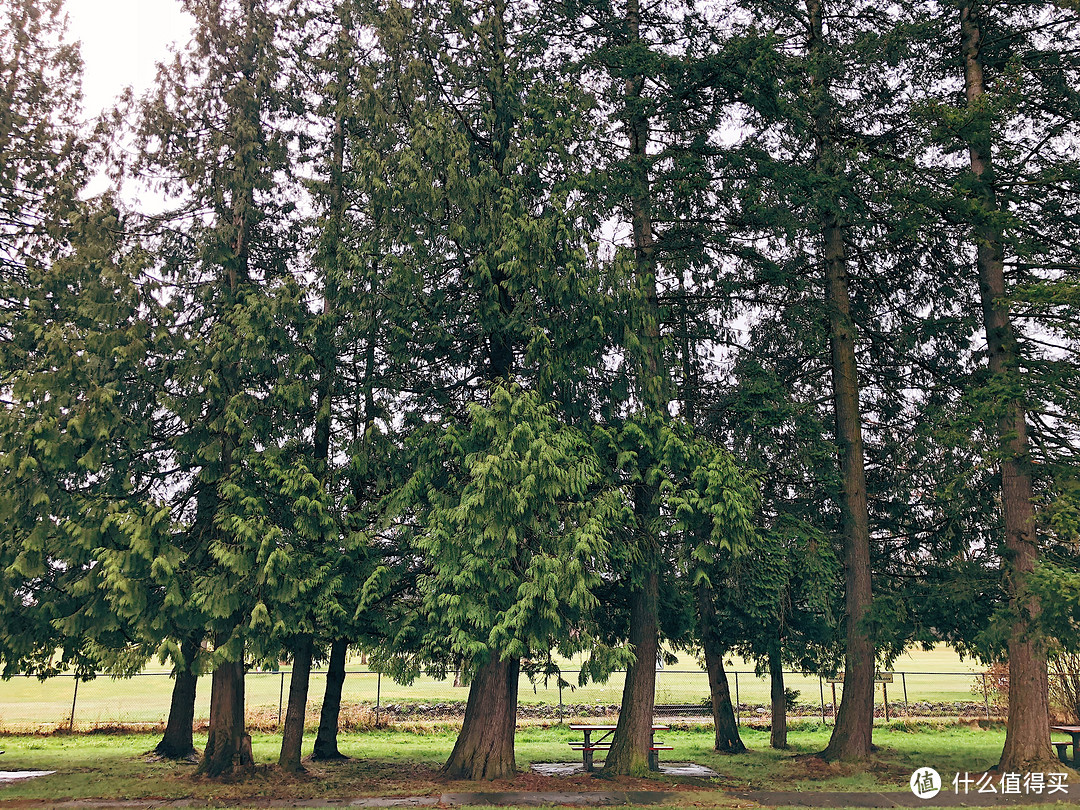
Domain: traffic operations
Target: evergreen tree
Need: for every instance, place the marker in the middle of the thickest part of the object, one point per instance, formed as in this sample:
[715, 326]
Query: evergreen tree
[514, 527]
[73, 438]
[41, 172]
[854, 721]
[1009, 113]
[818, 210]
[214, 135]
[475, 184]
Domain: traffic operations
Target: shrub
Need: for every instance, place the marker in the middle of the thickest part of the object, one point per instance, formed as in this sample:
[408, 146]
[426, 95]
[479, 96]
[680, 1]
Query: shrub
[1065, 685]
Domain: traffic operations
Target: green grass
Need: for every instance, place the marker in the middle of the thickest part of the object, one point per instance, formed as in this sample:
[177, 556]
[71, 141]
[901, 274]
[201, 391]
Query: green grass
[395, 762]
[26, 703]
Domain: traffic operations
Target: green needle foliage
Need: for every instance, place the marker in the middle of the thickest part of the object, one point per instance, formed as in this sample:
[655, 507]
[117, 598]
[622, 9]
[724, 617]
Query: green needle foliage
[74, 459]
[513, 522]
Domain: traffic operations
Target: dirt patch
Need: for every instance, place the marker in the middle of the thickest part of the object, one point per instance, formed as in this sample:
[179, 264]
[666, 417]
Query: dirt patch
[812, 768]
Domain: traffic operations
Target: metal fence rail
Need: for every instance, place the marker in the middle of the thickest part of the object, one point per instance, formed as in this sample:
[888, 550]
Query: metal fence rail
[64, 701]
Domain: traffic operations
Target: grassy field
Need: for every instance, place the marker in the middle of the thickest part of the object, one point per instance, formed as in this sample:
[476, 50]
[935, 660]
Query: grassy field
[26, 703]
[397, 762]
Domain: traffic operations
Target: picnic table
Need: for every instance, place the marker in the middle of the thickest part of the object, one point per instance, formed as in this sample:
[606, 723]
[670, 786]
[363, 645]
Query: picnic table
[1072, 731]
[603, 743]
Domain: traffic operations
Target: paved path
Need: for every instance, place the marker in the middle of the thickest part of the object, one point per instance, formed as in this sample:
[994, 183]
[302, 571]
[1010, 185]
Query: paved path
[18, 776]
[947, 798]
[607, 798]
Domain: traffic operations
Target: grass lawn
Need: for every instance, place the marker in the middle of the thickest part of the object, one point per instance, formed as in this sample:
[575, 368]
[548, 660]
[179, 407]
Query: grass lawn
[397, 762]
[28, 704]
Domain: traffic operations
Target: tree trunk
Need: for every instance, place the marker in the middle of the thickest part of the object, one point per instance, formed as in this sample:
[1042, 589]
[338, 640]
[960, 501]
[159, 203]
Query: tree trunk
[485, 746]
[852, 733]
[1027, 736]
[228, 747]
[326, 741]
[778, 734]
[292, 740]
[723, 713]
[178, 742]
[629, 753]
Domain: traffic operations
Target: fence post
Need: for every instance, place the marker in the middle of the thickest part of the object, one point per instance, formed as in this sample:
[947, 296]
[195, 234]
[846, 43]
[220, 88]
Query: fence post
[738, 710]
[74, 697]
[378, 699]
[903, 680]
[986, 697]
[821, 689]
[280, 697]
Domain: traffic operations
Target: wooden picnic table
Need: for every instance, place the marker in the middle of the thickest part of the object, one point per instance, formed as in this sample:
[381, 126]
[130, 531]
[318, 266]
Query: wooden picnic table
[1074, 732]
[603, 743]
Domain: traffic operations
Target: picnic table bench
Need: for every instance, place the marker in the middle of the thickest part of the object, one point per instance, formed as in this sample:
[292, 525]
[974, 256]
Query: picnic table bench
[1062, 747]
[603, 743]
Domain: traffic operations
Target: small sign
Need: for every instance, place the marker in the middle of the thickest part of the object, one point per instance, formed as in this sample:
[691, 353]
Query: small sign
[879, 677]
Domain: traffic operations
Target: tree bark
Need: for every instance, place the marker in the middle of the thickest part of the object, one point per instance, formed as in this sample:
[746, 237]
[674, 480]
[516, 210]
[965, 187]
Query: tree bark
[629, 752]
[326, 741]
[178, 742]
[727, 729]
[292, 739]
[1027, 737]
[485, 746]
[228, 747]
[778, 733]
[852, 733]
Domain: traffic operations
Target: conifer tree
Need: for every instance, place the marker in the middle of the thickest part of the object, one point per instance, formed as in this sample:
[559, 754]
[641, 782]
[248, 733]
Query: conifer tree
[630, 743]
[41, 172]
[854, 721]
[1010, 114]
[664, 87]
[213, 133]
[822, 165]
[476, 189]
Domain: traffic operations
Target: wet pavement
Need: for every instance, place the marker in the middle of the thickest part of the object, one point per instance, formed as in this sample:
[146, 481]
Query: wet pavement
[686, 769]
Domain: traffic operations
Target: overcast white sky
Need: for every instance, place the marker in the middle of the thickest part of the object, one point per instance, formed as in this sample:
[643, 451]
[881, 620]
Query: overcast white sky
[122, 42]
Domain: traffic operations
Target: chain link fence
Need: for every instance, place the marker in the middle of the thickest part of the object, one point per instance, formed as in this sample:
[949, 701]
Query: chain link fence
[28, 704]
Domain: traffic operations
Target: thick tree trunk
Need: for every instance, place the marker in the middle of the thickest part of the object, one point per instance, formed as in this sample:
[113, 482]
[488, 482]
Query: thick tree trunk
[178, 742]
[723, 713]
[1027, 737]
[228, 747]
[292, 740]
[778, 734]
[629, 753]
[485, 746]
[326, 741]
[852, 733]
